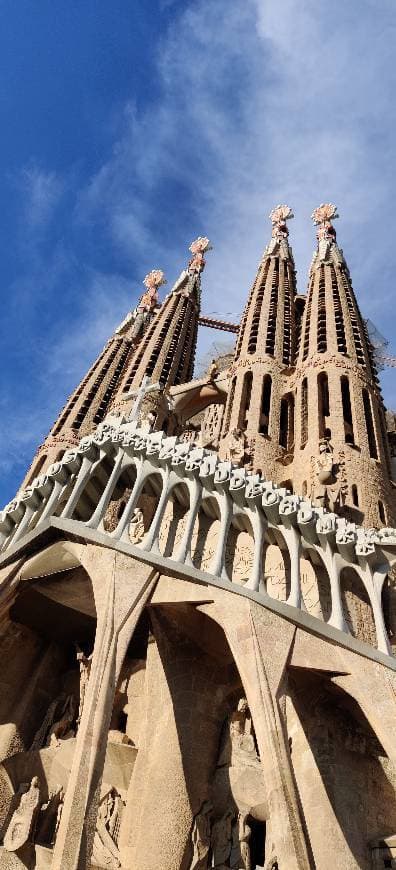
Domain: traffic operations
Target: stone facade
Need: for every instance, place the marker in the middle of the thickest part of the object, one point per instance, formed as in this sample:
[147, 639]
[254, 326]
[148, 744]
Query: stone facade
[197, 596]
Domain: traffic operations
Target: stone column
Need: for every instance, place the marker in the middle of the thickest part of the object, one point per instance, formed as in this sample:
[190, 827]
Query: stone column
[121, 587]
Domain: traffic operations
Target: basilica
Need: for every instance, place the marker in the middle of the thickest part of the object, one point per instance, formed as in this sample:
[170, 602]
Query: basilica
[197, 592]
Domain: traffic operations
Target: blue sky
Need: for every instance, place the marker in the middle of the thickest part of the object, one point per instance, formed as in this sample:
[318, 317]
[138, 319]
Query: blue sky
[131, 127]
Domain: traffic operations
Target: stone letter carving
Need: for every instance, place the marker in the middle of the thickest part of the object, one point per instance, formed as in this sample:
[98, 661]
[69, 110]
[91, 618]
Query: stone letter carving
[23, 818]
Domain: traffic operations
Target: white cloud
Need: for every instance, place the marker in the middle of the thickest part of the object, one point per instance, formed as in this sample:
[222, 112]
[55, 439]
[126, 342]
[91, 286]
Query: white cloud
[41, 190]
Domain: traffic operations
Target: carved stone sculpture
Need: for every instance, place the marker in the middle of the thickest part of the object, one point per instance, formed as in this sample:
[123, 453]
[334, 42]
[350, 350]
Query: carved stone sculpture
[200, 837]
[244, 840]
[62, 728]
[236, 447]
[136, 527]
[24, 817]
[55, 712]
[105, 849]
[85, 669]
[50, 815]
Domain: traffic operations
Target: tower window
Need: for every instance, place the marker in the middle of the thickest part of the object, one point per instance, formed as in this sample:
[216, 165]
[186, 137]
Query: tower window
[265, 405]
[286, 422]
[368, 414]
[230, 404]
[381, 512]
[347, 410]
[273, 311]
[355, 495]
[322, 329]
[324, 405]
[246, 396]
[304, 412]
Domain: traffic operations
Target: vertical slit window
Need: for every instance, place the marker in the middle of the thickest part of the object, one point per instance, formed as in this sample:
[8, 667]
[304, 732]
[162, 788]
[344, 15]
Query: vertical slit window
[321, 323]
[286, 423]
[307, 321]
[347, 410]
[246, 397]
[338, 314]
[355, 495]
[230, 404]
[273, 311]
[304, 412]
[287, 336]
[368, 415]
[381, 512]
[324, 406]
[265, 405]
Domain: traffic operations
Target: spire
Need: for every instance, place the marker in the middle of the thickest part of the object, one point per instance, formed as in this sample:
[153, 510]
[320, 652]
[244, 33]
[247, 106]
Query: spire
[264, 353]
[166, 349]
[339, 408]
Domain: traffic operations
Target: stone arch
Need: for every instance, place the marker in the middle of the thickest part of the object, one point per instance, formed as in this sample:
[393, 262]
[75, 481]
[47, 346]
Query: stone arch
[174, 520]
[388, 603]
[205, 533]
[315, 585]
[146, 505]
[120, 495]
[277, 567]
[239, 549]
[358, 612]
[94, 489]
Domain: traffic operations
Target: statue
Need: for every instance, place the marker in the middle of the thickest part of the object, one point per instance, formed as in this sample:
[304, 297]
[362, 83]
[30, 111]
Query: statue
[52, 716]
[105, 850]
[136, 526]
[327, 492]
[214, 370]
[241, 731]
[85, 670]
[23, 819]
[236, 447]
[62, 728]
[200, 837]
[244, 839]
[221, 841]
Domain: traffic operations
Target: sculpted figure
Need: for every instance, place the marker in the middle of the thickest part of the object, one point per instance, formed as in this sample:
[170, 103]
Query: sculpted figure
[55, 710]
[85, 670]
[136, 527]
[327, 492]
[62, 728]
[241, 731]
[23, 819]
[236, 447]
[105, 850]
[244, 839]
[200, 837]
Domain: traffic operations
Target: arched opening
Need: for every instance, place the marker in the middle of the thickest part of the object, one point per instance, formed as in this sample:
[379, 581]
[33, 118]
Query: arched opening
[36, 469]
[245, 400]
[205, 534]
[119, 498]
[368, 416]
[198, 701]
[304, 488]
[388, 601]
[265, 405]
[230, 405]
[286, 423]
[381, 512]
[94, 490]
[358, 613]
[347, 410]
[324, 406]
[355, 495]
[46, 646]
[304, 413]
[59, 454]
[340, 766]
[174, 520]
[277, 568]
[315, 585]
[239, 549]
[145, 508]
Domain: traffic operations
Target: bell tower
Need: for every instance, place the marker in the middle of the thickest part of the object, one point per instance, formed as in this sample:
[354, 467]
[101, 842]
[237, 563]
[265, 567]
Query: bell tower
[341, 441]
[260, 406]
[165, 354]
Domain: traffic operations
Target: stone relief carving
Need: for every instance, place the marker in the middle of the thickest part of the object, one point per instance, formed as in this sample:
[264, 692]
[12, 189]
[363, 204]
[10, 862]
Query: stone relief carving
[23, 820]
[236, 447]
[327, 490]
[136, 526]
[84, 662]
[105, 848]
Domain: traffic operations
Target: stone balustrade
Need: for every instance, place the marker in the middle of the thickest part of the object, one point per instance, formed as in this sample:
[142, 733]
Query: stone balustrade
[83, 485]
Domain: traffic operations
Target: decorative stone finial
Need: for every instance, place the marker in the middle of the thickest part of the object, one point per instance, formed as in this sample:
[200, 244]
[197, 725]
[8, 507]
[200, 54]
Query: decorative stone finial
[197, 248]
[279, 215]
[154, 279]
[279, 240]
[325, 213]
